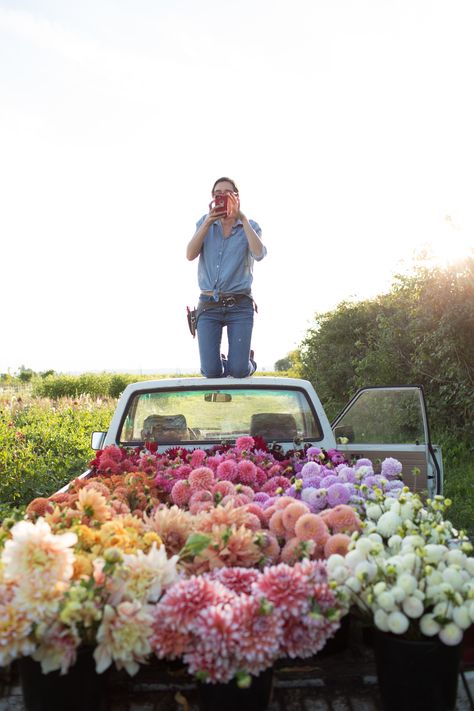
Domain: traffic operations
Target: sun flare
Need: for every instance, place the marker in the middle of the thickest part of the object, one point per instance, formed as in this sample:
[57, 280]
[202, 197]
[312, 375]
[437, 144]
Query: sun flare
[449, 244]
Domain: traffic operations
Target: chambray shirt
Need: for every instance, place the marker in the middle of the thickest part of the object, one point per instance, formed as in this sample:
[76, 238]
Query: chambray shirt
[226, 263]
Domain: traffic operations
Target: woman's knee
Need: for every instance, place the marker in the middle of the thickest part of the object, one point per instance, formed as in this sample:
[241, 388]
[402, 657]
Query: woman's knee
[239, 372]
[212, 371]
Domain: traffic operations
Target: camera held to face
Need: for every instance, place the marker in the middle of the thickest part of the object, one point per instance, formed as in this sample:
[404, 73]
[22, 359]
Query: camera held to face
[221, 205]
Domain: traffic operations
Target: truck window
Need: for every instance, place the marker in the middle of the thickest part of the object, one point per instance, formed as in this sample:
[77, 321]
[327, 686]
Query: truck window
[213, 415]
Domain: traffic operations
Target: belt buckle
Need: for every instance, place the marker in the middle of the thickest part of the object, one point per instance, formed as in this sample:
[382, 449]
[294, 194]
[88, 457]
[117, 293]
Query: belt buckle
[229, 301]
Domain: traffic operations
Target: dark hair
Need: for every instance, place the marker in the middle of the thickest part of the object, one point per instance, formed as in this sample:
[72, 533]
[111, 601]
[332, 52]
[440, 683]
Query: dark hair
[228, 180]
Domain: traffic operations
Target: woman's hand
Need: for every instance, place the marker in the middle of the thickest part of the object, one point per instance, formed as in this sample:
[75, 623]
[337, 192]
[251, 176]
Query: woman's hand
[234, 211]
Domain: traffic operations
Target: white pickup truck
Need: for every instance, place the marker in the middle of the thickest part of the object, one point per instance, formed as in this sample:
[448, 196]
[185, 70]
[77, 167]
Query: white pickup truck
[287, 413]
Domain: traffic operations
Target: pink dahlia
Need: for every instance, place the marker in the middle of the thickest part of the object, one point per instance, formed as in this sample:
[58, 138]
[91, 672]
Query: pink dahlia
[236, 499]
[239, 580]
[304, 637]
[201, 501]
[216, 634]
[261, 478]
[221, 489]
[227, 470]
[183, 601]
[247, 472]
[201, 479]
[260, 636]
[181, 493]
[256, 510]
[244, 444]
[286, 587]
[197, 458]
[276, 482]
[167, 641]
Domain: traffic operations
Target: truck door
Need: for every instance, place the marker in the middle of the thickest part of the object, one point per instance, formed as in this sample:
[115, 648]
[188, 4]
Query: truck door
[385, 422]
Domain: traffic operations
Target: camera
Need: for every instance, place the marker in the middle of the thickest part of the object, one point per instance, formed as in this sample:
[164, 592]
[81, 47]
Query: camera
[222, 205]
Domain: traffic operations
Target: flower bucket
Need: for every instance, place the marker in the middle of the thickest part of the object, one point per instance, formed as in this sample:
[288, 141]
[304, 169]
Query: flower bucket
[416, 674]
[340, 642]
[230, 697]
[81, 689]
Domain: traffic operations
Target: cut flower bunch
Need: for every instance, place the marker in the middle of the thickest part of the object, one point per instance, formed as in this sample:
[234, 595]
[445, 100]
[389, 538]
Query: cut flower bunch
[54, 598]
[409, 572]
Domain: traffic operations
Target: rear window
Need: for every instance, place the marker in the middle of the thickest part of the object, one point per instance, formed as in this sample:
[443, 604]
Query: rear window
[213, 416]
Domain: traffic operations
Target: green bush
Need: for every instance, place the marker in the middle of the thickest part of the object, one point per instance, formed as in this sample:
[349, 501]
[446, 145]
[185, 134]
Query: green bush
[44, 444]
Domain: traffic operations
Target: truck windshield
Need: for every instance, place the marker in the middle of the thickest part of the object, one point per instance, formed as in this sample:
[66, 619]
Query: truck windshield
[213, 416]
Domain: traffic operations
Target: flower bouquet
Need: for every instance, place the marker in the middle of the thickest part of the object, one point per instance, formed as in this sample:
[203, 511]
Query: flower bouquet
[85, 587]
[234, 623]
[409, 572]
[411, 576]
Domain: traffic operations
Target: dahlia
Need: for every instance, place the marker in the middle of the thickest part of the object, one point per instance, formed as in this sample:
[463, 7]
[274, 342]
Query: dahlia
[197, 458]
[239, 580]
[247, 472]
[41, 561]
[260, 635]
[180, 604]
[305, 636]
[57, 649]
[276, 524]
[343, 519]
[316, 498]
[244, 444]
[295, 549]
[286, 587]
[201, 479]
[222, 515]
[216, 636]
[291, 514]
[92, 504]
[143, 576]
[123, 637]
[338, 543]
[338, 493]
[173, 525]
[221, 489]
[181, 493]
[312, 527]
[166, 641]
[15, 627]
[227, 470]
[39, 507]
[391, 468]
[310, 469]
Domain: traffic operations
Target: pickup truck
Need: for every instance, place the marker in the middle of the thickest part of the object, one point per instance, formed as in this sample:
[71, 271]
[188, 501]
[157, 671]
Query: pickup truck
[287, 413]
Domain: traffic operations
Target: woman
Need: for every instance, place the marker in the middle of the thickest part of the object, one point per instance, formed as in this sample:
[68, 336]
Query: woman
[227, 245]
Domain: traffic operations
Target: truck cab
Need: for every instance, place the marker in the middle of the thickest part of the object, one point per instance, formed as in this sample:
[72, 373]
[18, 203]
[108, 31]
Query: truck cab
[284, 412]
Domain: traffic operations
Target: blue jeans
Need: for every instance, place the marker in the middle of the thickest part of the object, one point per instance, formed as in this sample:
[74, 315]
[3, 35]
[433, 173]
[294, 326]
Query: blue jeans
[238, 319]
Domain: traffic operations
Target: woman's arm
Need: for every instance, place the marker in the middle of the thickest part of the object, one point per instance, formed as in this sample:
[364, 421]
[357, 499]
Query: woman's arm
[194, 247]
[255, 243]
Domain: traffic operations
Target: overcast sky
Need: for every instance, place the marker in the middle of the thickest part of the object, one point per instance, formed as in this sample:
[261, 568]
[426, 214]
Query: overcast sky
[347, 124]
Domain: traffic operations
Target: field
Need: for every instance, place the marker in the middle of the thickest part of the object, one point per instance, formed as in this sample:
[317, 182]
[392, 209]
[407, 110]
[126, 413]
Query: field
[45, 442]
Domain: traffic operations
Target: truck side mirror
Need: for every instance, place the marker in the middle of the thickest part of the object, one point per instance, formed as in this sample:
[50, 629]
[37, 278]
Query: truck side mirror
[98, 439]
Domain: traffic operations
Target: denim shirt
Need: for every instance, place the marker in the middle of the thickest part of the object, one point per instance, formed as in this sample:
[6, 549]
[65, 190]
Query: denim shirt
[226, 263]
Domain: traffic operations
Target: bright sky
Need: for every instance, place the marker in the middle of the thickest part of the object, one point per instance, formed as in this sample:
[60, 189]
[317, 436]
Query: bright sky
[347, 124]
